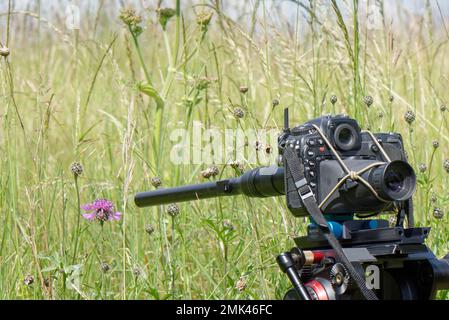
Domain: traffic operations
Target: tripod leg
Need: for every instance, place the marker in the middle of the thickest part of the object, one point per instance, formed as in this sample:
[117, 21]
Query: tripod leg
[285, 262]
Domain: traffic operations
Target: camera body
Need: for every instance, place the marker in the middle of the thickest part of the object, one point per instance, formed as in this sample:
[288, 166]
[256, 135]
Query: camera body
[357, 150]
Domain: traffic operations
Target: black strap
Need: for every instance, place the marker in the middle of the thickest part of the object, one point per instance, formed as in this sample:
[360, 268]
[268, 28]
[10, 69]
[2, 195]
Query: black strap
[296, 168]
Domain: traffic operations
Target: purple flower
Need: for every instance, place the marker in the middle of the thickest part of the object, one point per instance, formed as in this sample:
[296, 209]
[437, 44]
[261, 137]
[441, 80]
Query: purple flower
[102, 210]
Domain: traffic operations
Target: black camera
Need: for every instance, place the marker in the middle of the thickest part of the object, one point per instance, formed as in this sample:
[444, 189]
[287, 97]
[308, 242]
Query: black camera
[331, 171]
[319, 141]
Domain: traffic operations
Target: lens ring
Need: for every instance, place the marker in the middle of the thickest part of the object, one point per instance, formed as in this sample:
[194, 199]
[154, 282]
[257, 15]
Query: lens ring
[399, 181]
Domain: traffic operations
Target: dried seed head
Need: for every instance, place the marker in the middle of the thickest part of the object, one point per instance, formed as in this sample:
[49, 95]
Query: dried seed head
[409, 117]
[238, 113]
[203, 19]
[237, 165]
[380, 115]
[268, 149]
[156, 182]
[333, 99]
[29, 280]
[443, 108]
[275, 102]
[4, 52]
[173, 209]
[436, 144]
[149, 229]
[438, 213]
[227, 224]
[446, 165]
[368, 101]
[422, 167]
[77, 169]
[165, 14]
[243, 89]
[136, 272]
[210, 172]
[241, 284]
[391, 98]
[104, 267]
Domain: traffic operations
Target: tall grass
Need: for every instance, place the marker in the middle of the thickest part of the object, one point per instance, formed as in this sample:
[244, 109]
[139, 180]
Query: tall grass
[110, 99]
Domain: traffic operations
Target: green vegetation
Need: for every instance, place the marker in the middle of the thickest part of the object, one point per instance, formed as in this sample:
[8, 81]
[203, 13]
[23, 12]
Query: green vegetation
[109, 100]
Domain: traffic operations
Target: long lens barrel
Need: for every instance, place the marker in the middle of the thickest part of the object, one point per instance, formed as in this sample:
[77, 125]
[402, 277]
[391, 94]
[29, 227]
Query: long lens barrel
[261, 183]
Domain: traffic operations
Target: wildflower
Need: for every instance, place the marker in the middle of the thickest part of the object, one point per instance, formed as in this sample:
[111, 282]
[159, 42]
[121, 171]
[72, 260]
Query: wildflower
[4, 51]
[210, 172]
[275, 102]
[227, 224]
[436, 144]
[409, 117]
[156, 182]
[105, 267]
[333, 99]
[102, 210]
[203, 19]
[203, 83]
[173, 209]
[446, 165]
[422, 167]
[165, 14]
[132, 20]
[77, 169]
[368, 101]
[29, 280]
[438, 213]
[241, 284]
[238, 113]
[243, 89]
[149, 229]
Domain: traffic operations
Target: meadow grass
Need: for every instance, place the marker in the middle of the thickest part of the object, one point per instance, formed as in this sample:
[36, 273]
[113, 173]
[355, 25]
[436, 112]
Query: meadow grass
[108, 96]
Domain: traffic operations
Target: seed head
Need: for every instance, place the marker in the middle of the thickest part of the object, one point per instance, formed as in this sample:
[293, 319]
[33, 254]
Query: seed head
[391, 98]
[238, 113]
[436, 144]
[203, 19]
[446, 165]
[156, 182]
[104, 267]
[409, 116]
[241, 284]
[334, 99]
[236, 165]
[368, 101]
[268, 149]
[131, 19]
[210, 172]
[4, 52]
[137, 272]
[29, 280]
[443, 108]
[380, 115]
[173, 209]
[275, 102]
[438, 213]
[77, 169]
[243, 89]
[422, 167]
[165, 14]
[149, 229]
[227, 224]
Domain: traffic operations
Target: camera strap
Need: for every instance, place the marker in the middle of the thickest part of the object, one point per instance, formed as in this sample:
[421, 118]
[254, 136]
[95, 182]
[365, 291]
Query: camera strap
[296, 168]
